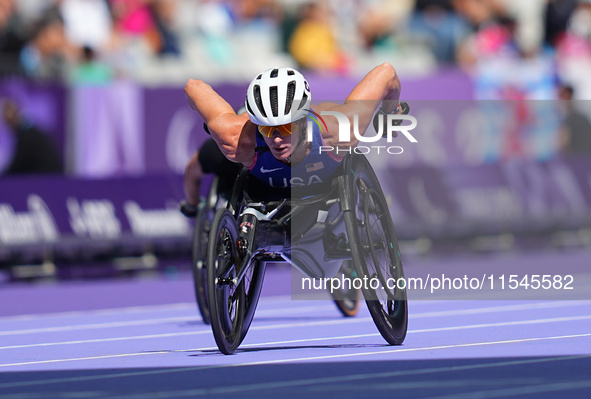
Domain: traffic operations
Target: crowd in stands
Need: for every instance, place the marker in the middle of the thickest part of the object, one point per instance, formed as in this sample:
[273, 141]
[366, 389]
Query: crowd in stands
[168, 41]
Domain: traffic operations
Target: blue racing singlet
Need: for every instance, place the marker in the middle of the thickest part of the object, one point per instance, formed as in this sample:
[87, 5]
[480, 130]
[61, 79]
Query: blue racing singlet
[315, 168]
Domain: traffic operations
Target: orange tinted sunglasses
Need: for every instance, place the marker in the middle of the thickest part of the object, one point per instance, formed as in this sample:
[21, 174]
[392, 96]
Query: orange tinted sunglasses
[268, 131]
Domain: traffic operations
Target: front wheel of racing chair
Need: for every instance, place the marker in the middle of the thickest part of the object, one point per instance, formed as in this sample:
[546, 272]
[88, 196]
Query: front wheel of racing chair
[232, 303]
[226, 296]
[374, 249]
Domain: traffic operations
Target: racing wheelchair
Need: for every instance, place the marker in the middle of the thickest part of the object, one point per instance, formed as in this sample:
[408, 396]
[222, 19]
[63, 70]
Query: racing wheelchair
[346, 300]
[342, 227]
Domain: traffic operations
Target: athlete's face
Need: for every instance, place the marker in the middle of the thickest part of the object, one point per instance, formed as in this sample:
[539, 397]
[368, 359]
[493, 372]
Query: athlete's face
[279, 145]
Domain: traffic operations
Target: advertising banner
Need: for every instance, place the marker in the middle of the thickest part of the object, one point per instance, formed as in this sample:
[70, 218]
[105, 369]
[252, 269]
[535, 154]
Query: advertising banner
[72, 217]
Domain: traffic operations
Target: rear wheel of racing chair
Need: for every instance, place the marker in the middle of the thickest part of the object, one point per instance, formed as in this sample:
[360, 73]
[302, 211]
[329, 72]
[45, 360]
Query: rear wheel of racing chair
[227, 298]
[346, 300]
[375, 252]
[200, 238]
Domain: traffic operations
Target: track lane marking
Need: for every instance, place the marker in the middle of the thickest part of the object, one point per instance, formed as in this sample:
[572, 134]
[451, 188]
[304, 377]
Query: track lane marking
[486, 343]
[291, 325]
[444, 313]
[129, 310]
[131, 323]
[303, 359]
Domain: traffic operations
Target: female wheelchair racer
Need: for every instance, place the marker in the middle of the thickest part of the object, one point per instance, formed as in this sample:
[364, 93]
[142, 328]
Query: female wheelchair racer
[210, 160]
[346, 221]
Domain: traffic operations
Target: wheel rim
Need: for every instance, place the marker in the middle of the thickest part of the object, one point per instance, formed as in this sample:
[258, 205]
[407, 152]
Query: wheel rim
[372, 223]
[226, 297]
[227, 292]
[202, 228]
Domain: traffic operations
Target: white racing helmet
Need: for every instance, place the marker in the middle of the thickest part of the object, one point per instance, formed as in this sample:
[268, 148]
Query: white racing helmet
[278, 96]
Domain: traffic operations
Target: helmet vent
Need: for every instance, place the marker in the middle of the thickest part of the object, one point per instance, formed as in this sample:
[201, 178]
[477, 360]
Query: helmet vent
[259, 77]
[274, 100]
[248, 107]
[290, 72]
[258, 101]
[303, 102]
[274, 73]
[291, 86]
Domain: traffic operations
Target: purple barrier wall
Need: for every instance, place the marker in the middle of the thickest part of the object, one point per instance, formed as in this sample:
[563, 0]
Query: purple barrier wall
[126, 130]
[44, 105]
[70, 215]
[514, 197]
[81, 218]
[173, 132]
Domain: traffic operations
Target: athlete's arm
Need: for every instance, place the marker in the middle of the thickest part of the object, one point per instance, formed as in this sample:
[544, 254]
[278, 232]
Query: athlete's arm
[380, 87]
[234, 134]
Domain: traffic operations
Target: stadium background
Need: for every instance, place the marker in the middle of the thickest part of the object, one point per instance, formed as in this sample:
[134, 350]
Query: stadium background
[104, 79]
[96, 296]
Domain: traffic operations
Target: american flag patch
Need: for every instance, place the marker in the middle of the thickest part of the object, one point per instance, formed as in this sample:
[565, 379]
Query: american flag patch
[313, 167]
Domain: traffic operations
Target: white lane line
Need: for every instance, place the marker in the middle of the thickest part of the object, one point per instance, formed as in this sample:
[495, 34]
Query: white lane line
[488, 343]
[272, 327]
[198, 349]
[182, 334]
[102, 312]
[131, 323]
[100, 325]
[494, 309]
[444, 313]
[127, 310]
[208, 331]
[292, 325]
[103, 340]
[503, 324]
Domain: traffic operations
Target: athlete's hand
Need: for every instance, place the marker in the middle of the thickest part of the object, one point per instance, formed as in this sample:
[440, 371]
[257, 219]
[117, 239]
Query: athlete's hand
[245, 150]
[402, 109]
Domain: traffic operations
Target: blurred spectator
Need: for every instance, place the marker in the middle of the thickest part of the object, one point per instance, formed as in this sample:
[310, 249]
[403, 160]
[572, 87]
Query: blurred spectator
[87, 22]
[134, 20]
[215, 20]
[492, 39]
[34, 152]
[574, 51]
[47, 54]
[503, 68]
[313, 44]
[479, 13]
[11, 39]
[31, 11]
[164, 12]
[377, 21]
[252, 10]
[90, 71]
[556, 16]
[435, 23]
[575, 134]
